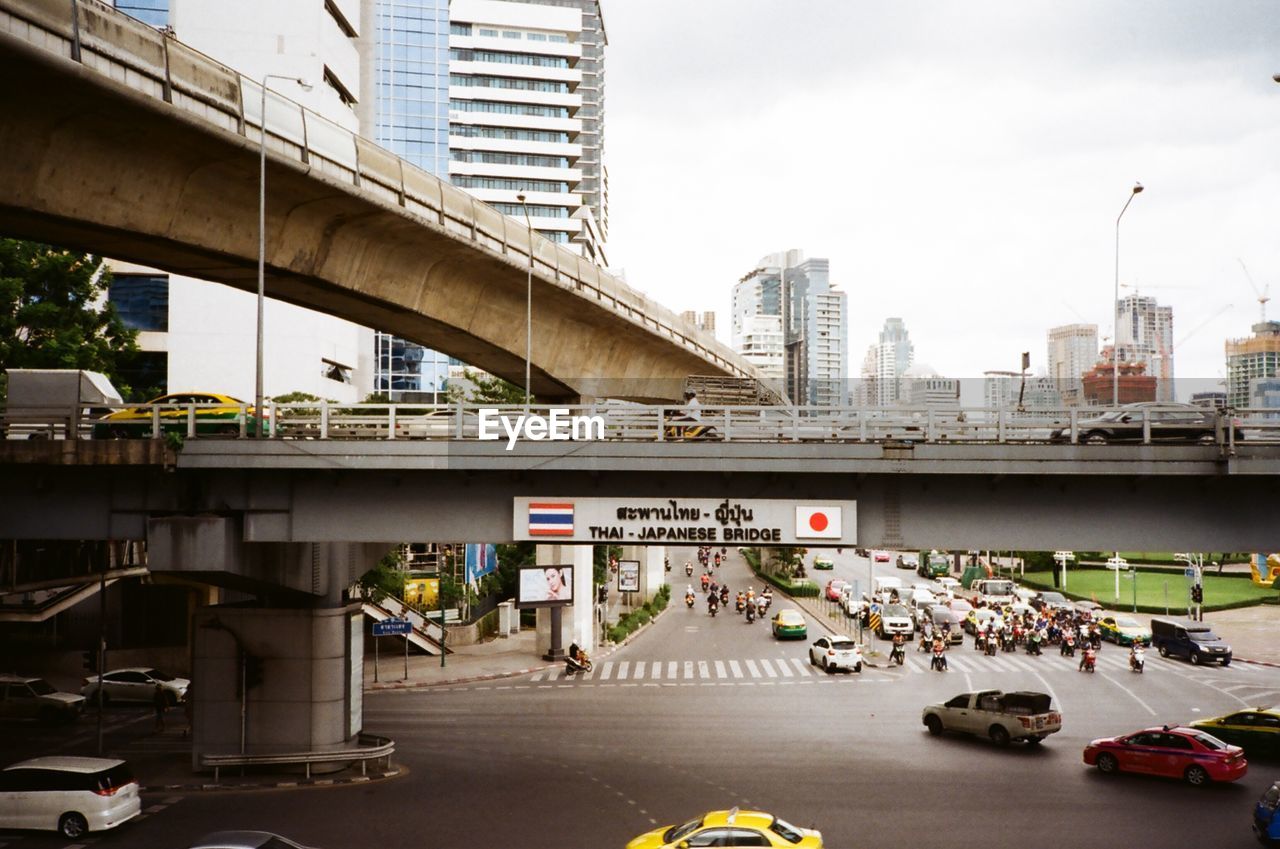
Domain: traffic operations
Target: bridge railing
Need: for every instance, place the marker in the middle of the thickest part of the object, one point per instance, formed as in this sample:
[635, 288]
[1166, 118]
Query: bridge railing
[672, 423]
[157, 65]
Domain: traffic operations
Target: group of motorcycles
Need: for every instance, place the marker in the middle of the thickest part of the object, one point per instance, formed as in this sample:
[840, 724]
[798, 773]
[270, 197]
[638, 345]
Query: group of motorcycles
[748, 603]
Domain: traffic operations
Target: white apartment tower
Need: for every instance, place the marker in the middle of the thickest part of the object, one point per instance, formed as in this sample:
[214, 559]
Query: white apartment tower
[1073, 350]
[201, 335]
[885, 363]
[1145, 335]
[521, 85]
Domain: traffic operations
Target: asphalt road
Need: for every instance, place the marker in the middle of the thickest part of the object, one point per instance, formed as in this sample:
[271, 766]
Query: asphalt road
[698, 714]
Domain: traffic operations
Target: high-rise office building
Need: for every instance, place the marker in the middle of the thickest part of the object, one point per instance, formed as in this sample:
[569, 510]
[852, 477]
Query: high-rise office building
[1254, 358]
[796, 297]
[1073, 350]
[518, 94]
[1145, 335]
[885, 363]
[404, 107]
[200, 335]
[706, 321]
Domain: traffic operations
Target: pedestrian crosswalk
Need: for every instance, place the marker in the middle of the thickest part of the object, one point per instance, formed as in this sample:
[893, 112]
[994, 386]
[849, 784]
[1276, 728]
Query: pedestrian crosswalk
[793, 669]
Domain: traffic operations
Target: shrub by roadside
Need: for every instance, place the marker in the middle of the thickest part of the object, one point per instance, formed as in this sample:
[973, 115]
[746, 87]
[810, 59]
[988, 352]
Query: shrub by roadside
[623, 628]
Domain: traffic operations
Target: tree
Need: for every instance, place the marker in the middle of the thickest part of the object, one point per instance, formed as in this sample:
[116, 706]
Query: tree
[54, 313]
[479, 388]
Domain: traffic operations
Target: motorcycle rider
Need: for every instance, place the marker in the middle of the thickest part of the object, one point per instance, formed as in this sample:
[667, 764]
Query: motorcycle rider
[897, 653]
[688, 567]
[688, 595]
[724, 595]
[1137, 654]
[1089, 657]
[939, 661]
[713, 603]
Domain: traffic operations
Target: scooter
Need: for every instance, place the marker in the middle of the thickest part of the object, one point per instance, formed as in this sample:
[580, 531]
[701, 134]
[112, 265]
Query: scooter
[980, 642]
[740, 604]
[1137, 659]
[1033, 643]
[724, 596]
[1068, 647]
[751, 613]
[897, 655]
[761, 607]
[991, 646]
[688, 599]
[1090, 662]
[573, 665]
[712, 607]
[939, 661]
[688, 568]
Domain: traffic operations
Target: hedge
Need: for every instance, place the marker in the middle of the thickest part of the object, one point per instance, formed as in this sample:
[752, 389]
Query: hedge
[624, 627]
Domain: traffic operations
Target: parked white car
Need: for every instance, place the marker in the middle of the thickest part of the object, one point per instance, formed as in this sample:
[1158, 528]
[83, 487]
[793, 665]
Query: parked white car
[23, 697]
[71, 796]
[137, 684]
[832, 653]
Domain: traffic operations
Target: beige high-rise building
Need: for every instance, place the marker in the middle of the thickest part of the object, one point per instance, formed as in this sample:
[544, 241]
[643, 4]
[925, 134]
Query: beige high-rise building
[1073, 350]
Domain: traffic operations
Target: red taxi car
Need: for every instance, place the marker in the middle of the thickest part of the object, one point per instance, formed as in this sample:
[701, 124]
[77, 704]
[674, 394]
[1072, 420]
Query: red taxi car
[1171, 751]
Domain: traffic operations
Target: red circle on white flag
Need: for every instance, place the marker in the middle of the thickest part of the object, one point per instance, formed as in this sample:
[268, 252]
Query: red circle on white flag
[818, 521]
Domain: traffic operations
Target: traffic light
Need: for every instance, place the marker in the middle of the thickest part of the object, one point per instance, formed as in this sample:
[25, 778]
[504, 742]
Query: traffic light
[1197, 593]
[89, 661]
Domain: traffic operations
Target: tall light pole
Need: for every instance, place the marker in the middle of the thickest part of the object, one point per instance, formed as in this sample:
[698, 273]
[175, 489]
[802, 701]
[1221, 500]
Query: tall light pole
[1115, 335]
[262, 238]
[528, 303]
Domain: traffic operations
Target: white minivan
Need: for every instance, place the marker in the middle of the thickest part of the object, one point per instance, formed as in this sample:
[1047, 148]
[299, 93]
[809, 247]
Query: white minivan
[69, 795]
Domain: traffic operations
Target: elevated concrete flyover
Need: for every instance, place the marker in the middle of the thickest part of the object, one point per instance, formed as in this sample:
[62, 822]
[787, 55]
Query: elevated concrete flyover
[947, 496]
[119, 140]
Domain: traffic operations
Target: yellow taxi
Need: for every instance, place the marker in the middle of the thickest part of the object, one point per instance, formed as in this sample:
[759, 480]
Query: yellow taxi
[1256, 730]
[789, 623]
[1123, 630]
[214, 414]
[730, 828]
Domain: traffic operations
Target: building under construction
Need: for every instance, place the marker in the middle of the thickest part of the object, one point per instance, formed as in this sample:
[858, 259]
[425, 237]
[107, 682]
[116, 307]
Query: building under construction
[1254, 358]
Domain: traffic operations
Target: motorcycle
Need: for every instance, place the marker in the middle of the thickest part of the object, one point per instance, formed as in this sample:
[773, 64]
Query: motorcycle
[1033, 643]
[724, 596]
[688, 599]
[688, 568]
[991, 646]
[1007, 642]
[1090, 662]
[1137, 659]
[712, 607]
[761, 607]
[1068, 646]
[706, 581]
[980, 642]
[897, 655]
[740, 604]
[751, 613]
[939, 661]
[573, 665]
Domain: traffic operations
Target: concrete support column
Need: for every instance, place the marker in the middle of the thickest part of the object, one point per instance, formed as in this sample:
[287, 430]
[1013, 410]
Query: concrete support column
[276, 680]
[652, 570]
[576, 624]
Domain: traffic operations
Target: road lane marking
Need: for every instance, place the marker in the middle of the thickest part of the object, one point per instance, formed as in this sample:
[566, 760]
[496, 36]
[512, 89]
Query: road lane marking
[1150, 710]
[805, 669]
[735, 669]
[704, 671]
[671, 669]
[623, 666]
[720, 670]
[606, 670]
[768, 668]
[751, 667]
[688, 670]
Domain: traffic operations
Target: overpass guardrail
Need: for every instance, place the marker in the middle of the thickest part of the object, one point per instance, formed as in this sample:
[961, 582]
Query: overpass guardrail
[371, 748]
[664, 423]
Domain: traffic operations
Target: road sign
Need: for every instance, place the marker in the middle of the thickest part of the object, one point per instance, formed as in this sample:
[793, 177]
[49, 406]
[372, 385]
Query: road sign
[391, 627]
[1189, 573]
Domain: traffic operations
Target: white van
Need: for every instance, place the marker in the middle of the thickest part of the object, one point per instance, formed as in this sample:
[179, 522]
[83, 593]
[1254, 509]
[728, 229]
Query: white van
[68, 795]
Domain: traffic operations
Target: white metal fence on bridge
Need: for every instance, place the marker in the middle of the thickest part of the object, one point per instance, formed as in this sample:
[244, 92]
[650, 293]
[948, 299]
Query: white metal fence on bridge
[672, 423]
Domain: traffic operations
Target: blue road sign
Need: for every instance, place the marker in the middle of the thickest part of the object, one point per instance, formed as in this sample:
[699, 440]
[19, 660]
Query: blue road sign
[391, 627]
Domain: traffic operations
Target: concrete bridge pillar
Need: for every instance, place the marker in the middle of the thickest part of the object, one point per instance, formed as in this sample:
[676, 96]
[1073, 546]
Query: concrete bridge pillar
[652, 570]
[576, 622]
[276, 680]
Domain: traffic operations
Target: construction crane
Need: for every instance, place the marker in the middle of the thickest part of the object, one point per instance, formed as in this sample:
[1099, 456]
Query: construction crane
[1263, 296]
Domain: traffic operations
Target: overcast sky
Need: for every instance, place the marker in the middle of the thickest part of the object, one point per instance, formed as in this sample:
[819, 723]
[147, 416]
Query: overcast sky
[961, 164]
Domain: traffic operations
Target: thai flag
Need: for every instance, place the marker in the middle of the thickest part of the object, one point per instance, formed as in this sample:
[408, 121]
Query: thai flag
[551, 520]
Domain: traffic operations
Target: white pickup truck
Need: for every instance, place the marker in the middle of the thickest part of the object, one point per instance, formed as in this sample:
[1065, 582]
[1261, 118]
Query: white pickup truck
[994, 591]
[1001, 716]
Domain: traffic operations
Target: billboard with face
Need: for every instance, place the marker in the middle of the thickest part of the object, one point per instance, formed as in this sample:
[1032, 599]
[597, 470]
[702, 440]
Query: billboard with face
[545, 586]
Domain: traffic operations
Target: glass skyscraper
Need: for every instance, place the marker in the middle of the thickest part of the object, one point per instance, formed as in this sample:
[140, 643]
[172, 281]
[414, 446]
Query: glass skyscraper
[411, 119]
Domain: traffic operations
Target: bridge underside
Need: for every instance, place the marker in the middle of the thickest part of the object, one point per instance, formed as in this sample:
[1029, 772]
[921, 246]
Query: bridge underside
[946, 497]
[94, 165]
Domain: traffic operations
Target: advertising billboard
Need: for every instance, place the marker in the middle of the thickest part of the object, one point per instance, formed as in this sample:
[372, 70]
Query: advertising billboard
[628, 576]
[545, 586]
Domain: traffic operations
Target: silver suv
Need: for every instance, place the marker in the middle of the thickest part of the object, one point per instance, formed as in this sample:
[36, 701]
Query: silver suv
[34, 698]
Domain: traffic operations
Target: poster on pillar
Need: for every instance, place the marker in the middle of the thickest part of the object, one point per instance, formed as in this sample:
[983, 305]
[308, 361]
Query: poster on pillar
[685, 521]
[628, 576]
[545, 586]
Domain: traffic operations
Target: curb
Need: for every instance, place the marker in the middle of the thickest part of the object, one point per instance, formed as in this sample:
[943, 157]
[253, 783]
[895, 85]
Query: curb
[394, 772]
[515, 673]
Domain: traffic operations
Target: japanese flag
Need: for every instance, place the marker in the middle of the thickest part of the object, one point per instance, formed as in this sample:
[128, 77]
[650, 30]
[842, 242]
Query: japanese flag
[818, 521]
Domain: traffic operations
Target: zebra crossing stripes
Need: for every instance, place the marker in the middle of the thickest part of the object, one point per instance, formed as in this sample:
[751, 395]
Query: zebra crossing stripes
[685, 671]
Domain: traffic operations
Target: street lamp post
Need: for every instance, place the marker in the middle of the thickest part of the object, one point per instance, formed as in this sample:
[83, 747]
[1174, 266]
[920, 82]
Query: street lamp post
[1115, 335]
[528, 302]
[262, 238]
